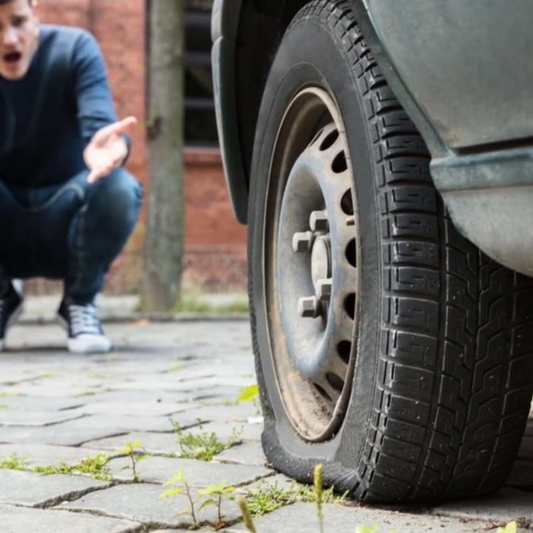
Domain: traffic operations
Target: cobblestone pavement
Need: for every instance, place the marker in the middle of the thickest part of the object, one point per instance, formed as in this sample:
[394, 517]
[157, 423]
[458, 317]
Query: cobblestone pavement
[58, 409]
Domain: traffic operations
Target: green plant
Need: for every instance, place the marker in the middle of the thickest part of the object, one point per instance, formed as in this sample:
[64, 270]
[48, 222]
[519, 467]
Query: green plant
[203, 446]
[511, 527]
[267, 497]
[248, 394]
[132, 451]
[318, 494]
[192, 302]
[14, 462]
[180, 478]
[175, 367]
[4, 406]
[246, 515]
[216, 493]
[96, 467]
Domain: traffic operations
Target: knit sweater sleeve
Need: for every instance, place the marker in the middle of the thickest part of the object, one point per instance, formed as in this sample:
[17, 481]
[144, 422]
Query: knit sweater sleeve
[94, 100]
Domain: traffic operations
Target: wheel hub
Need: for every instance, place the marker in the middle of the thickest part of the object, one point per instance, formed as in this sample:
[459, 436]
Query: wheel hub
[316, 274]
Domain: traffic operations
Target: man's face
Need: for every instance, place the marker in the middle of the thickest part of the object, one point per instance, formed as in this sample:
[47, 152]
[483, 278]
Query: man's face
[19, 37]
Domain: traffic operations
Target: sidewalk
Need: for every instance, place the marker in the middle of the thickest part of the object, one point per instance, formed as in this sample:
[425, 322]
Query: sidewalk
[42, 309]
[58, 409]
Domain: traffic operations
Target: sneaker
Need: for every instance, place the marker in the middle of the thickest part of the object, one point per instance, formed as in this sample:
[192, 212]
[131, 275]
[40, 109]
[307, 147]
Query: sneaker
[10, 310]
[85, 333]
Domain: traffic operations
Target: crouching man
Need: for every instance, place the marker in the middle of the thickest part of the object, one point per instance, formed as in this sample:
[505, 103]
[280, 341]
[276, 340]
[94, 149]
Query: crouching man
[67, 207]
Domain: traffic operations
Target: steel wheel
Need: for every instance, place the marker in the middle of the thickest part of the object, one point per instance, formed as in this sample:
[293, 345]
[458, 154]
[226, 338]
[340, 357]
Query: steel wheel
[312, 268]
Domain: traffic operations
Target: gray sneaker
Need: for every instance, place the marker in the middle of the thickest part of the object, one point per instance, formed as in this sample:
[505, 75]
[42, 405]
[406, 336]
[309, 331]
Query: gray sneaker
[85, 333]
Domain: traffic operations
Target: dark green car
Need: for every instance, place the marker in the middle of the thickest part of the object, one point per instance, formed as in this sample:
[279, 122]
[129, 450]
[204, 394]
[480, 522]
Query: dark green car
[381, 153]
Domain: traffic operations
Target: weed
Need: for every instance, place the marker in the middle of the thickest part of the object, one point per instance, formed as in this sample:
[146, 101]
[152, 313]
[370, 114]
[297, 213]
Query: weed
[267, 497]
[194, 303]
[84, 394]
[212, 495]
[190, 304]
[216, 493]
[248, 394]
[3, 406]
[92, 466]
[131, 450]
[318, 493]
[203, 446]
[246, 515]
[14, 462]
[95, 467]
[175, 367]
[511, 527]
[180, 478]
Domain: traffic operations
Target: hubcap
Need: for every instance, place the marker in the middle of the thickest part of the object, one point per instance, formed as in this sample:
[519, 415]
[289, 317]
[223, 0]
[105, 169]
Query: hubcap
[312, 266]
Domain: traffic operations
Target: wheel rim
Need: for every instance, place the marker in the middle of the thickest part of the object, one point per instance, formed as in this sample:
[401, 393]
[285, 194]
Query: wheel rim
[311, 253]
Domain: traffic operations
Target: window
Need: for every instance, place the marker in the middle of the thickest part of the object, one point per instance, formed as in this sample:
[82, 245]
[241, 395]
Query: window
[200, 122]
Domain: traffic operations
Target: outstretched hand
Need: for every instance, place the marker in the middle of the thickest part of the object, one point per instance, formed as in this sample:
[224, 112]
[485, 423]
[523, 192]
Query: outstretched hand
[107, 149]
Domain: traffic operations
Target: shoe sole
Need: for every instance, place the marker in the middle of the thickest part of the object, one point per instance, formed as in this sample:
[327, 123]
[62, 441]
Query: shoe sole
[84, 348]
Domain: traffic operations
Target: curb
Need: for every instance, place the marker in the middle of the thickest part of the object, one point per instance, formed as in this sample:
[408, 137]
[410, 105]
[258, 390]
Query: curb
[148, 317]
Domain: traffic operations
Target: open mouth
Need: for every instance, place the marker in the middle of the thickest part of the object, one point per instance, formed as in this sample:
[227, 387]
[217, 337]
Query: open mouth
[12, 57]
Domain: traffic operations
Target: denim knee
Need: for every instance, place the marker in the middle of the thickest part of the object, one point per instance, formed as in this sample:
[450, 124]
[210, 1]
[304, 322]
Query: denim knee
[117, 196]
[119, 191]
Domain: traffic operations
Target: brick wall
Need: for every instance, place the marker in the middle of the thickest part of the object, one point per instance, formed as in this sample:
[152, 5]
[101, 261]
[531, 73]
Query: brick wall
[215, 256]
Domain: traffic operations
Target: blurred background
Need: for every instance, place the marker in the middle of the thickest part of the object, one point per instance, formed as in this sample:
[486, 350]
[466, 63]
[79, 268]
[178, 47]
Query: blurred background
[214, 244]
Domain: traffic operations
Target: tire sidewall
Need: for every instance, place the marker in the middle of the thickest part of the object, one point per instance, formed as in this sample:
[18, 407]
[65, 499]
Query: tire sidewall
[321, 62]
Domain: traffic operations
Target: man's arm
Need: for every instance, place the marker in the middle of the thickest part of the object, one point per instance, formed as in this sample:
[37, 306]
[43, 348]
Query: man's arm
[107, 146]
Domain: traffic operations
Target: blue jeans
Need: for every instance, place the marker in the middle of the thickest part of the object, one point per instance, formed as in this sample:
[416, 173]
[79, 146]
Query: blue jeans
[71, 231]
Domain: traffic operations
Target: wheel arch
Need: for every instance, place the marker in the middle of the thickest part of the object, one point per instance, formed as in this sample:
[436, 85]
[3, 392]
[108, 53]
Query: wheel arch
[246, 36]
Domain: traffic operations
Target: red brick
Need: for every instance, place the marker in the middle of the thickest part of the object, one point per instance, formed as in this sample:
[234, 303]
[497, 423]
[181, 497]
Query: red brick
[215, 256]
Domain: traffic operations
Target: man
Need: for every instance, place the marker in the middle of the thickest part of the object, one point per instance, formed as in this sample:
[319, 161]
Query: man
[67, 207]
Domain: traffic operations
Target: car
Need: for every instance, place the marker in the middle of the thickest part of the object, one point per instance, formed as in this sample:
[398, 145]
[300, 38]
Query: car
[381, 154]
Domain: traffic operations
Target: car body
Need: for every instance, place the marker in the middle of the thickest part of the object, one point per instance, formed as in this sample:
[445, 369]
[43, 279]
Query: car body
[460, 69]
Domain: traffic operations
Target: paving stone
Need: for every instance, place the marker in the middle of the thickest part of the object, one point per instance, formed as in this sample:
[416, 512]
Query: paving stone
[133, 395]
[23, 520]
[133, 408]
[61, 435]
[228, 413]
[44, 455]
[143, 503]
[153, 443]
[155, 384]
[201, 530]
[12, 417]
[230, 430]
[64, 391]
[505, 506]
[45, 490]
[280, 481]
[247, 453]
[38, 403]
[198, 473]
[10, 374]
[130, 423]
[301, 517]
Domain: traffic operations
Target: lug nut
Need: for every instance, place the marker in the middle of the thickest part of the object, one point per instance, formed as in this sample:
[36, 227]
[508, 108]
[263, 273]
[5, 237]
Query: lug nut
[323, 289]
[303, 242]
[318, 221]
[309, 307]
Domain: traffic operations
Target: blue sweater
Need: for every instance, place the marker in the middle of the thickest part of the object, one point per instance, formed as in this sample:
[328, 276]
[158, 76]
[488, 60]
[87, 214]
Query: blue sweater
[48, 117]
